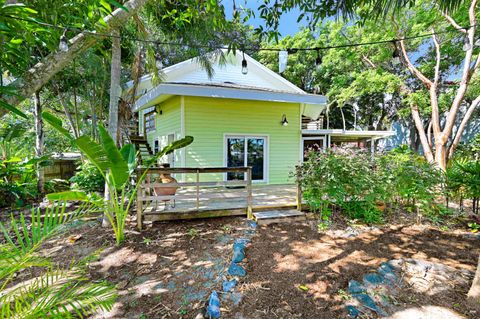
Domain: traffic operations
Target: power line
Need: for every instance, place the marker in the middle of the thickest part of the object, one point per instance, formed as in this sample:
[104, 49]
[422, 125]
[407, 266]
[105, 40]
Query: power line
[200, 46]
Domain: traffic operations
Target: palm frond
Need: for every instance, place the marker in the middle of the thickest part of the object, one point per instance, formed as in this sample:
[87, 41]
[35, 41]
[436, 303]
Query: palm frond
[64, 293]
[22, 239]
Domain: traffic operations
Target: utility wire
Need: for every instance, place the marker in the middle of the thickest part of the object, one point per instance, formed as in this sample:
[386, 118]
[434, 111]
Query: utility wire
[200, 46]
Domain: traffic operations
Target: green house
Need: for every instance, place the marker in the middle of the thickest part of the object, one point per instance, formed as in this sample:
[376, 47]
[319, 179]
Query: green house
[238, 117]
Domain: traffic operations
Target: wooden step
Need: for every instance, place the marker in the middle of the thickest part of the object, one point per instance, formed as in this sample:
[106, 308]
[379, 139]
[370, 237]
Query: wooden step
[278, 216]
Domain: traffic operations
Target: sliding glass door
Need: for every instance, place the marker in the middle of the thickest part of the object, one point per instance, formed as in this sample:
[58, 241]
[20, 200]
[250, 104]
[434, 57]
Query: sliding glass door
[246, 151]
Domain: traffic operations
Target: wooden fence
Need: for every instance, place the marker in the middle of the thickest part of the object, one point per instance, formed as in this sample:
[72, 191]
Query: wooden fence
[147, 200]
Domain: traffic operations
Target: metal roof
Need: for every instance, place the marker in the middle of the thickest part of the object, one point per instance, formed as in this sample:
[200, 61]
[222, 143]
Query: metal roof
[224, 90]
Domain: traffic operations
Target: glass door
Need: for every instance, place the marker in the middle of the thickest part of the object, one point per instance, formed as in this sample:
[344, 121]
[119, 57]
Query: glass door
[246, 151]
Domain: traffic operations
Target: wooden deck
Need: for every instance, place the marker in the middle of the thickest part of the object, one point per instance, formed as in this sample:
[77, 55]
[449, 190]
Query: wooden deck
[221, 201]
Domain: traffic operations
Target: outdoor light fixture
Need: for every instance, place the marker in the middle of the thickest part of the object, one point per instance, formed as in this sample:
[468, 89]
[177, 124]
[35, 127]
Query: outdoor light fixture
[284, 120]
[318, 60]
[63, 45]
[466, 44]
[244, 65]
[158, 61]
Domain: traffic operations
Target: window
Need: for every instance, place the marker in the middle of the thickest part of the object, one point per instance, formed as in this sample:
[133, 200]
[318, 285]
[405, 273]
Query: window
[156, 146]
[247, 151]
[149, 122]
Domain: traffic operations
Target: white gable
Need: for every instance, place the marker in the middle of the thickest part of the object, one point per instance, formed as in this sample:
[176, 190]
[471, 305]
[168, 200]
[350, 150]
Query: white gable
[191, 71]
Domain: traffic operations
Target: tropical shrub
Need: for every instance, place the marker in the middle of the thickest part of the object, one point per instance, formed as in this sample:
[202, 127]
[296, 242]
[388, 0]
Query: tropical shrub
[117, 167]
[463, 181]
[18, 182]
[88, 178]
[411, 180]
[54, 292]
[362, 186]
[344, 179]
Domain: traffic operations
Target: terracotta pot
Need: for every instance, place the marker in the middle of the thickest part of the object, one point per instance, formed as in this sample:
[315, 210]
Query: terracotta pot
[165, 191]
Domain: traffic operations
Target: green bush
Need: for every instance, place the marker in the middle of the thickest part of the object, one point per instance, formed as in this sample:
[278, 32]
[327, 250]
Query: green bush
[362, 186]
[18, 182]
[88, 178]
[411, 180]
[344, 179]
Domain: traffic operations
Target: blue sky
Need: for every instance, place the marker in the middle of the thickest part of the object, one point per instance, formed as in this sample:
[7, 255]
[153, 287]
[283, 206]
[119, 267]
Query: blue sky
[288, 21]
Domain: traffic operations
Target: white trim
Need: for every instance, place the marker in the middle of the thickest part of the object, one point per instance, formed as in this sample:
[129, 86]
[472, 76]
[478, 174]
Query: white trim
[238, 56]
[300, 157]
[239, 93]
[270, 72]
[266, 157]
[340, 132]
[324, 138]
[183, 154]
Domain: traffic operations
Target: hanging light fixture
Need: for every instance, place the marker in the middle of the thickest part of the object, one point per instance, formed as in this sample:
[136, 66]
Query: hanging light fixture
[284, 120]
[466, 44]
[158, 61]
[395, 55]
[63, 45]
[244, 65]
[318, 60]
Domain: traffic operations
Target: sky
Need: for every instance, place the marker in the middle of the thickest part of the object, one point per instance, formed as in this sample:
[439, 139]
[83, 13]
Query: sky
[288, 22]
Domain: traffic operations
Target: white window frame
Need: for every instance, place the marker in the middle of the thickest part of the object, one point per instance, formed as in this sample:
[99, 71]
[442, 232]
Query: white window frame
[266, 160]
[324, 138]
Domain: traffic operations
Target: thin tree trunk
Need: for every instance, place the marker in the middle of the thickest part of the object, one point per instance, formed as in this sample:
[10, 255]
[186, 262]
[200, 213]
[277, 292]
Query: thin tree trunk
[41, 73]
[474, 292]
[39, 140]
[463, 125]
[114, 99]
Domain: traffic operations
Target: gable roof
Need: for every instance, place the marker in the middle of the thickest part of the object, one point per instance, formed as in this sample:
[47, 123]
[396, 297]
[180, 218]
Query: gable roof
[190, 79]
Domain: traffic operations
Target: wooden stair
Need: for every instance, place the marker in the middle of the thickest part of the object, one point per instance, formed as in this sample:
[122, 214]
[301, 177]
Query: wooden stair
[141, 145]
[278, 216]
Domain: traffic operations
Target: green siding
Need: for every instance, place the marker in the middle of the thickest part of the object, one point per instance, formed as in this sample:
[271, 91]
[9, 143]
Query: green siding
[208, 120]
[166, 123]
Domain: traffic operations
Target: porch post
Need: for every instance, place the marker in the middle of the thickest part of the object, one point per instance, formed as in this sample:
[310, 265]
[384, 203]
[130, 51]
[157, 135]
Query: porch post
[139, 203]
[372, 148]
[249, 193]
[299, 191]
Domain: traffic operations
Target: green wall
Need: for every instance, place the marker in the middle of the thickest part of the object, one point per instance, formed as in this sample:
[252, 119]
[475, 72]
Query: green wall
[208, 120]
[166, 123]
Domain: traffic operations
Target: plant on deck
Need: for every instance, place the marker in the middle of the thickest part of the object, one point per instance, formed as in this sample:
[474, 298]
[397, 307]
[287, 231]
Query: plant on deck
[118, 168]
[56, 291]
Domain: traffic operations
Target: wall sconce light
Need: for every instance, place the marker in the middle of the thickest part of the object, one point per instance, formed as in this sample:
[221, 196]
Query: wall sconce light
[284, 120]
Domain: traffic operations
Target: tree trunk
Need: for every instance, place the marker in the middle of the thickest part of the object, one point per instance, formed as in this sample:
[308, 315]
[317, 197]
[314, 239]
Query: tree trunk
[41, 73]
[441, 156]
[39, 141]
[114, 99]
[474, 292]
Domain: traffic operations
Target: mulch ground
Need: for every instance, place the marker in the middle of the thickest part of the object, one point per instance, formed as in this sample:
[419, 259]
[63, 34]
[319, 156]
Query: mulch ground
[286, 258]
[169, 269]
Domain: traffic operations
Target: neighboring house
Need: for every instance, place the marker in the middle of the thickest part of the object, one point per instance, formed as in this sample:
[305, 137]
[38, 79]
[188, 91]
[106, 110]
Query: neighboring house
[236, 119]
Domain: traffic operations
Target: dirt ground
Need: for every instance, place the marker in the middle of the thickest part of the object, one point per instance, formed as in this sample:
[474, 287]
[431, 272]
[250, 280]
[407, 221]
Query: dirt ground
[293, 271]
[284, 257]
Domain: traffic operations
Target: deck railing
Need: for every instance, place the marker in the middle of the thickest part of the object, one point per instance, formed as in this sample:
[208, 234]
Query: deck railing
[146, 194]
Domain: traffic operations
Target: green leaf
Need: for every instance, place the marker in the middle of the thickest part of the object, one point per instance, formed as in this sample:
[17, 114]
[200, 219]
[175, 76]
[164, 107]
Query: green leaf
[57, 124]
[68, 196]
[184, 142]
[12, 109]
[94, 152]
[116, 4]
[128, 154]
[116, 163]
